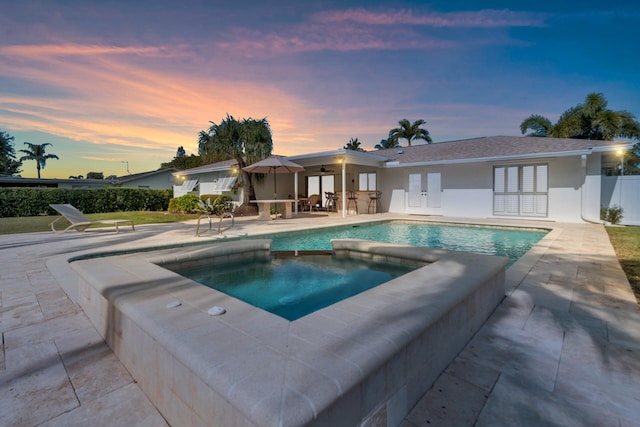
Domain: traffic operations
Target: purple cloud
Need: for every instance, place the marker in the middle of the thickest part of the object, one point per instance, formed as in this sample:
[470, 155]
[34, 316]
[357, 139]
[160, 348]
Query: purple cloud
[489, 18]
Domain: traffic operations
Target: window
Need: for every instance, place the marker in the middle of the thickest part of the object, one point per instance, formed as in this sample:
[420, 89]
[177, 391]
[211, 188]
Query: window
[520, 190]
[320, 184]
[367, 181]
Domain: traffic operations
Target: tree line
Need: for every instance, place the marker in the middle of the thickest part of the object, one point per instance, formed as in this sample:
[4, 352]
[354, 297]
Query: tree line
[249, 140]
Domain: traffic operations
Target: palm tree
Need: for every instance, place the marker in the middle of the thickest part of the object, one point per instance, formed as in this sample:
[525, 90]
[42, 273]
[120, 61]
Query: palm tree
[385, 144]
[353, 144]
[541, 126]
[38, 153]
[409, 132]
[8, 163]
[589, 120]
[246, 141]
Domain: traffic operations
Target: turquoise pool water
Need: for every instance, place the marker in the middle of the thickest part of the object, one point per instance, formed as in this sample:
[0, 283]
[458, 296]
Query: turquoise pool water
[292, 287]
[508, 242]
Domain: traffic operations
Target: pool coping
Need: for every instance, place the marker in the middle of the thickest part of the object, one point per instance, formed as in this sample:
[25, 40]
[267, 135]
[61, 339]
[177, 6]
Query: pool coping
[359, 350]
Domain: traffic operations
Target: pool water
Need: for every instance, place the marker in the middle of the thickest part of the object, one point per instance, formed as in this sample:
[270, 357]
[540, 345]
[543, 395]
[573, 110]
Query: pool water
[507, 242]
[294, 286]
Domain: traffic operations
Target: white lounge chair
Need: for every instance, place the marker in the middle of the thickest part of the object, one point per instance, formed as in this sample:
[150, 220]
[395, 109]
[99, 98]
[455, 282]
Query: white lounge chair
[80, 222]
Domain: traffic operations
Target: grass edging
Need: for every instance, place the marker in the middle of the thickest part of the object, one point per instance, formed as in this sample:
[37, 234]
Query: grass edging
[626, 243]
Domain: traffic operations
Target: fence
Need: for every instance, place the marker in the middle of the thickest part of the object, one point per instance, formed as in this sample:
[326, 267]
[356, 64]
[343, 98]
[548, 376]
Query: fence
[623, 191]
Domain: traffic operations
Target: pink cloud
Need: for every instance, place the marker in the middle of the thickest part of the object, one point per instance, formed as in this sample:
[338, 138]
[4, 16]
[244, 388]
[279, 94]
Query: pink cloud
[488, 18]
[108, 98]
[76, 50]
[362, 29]
[316, 37]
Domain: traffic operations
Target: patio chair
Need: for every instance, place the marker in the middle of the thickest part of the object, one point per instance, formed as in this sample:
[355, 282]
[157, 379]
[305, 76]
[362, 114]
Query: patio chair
[80, 222]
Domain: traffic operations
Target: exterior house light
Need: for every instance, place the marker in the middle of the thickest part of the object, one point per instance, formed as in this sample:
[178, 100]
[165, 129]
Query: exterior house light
[620, 153]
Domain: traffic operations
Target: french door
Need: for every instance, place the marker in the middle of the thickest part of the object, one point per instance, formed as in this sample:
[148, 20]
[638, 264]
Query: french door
[320, 184]
[425, 193]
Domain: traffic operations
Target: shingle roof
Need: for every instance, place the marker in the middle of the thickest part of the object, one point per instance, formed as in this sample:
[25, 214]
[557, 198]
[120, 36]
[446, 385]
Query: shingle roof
[225, 164]
[131, 177]
[491, 148]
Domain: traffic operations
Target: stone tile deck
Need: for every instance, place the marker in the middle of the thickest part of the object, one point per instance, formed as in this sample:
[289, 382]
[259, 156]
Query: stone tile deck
[562, 349]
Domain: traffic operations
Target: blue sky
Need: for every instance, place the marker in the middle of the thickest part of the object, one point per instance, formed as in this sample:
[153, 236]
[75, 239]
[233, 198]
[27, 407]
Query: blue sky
[113, 81]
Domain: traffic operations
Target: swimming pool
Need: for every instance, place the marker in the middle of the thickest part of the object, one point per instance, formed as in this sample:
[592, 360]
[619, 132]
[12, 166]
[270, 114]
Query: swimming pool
[509, 242]
[292, 285]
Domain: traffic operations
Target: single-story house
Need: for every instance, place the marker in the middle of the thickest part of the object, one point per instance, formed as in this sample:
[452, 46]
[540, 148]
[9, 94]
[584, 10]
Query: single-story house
[214, 179]
[550, 179]
[161, 179]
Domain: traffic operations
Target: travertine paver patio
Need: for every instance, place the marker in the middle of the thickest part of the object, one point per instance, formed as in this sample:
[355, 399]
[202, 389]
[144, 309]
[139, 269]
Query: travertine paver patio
[562, 349]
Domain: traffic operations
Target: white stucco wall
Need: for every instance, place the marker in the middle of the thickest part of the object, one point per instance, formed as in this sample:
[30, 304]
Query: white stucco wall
[161, 181]
[565, 185]
[392, 183]
[591, 190]
[467, 189]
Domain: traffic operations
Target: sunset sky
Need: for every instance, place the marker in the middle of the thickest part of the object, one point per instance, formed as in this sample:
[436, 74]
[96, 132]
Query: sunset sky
[113, 81]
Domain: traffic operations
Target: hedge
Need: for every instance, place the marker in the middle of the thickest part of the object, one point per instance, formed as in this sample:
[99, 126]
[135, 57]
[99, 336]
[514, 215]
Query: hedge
[35, 201]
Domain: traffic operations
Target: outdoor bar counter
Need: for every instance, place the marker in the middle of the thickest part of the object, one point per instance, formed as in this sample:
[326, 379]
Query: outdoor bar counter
[362, 201]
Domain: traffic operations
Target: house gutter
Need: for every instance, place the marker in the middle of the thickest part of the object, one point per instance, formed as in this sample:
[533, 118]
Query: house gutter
[396, 163]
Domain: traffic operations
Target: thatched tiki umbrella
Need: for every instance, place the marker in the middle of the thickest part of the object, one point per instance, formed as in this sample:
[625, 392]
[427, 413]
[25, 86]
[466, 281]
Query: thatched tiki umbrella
[275, 165]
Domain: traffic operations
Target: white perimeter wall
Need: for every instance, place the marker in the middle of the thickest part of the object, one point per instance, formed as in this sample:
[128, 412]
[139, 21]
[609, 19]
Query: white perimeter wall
[623, 191]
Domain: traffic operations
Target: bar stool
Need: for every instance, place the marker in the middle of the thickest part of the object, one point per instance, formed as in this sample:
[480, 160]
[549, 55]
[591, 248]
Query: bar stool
[373, 201]
[331, 202]
[352, 198]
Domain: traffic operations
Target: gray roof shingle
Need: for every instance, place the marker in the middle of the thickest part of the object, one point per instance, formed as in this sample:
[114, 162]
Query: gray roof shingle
[491, 148]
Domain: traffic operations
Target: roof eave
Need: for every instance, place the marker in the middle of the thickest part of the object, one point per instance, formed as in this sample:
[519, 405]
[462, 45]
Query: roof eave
[396, 164]
[625, 145]
[341, 152]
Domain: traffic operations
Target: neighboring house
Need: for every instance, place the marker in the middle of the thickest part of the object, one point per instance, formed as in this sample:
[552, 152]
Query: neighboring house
[161, 179]
[549, 179]
[214, 179]
[16, 181]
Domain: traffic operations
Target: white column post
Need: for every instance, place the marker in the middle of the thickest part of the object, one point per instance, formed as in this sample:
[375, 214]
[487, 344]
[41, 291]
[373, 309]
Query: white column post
[344, 188]
[295, 188]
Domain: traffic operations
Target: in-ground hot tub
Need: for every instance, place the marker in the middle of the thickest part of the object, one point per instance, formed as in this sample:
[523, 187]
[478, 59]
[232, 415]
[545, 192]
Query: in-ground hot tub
[293, 284]
[366, 359]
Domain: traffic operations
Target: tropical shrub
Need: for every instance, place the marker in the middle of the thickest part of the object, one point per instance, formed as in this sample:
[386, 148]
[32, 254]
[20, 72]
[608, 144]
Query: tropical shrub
[612, 215]
[220, 204]
[184, 204]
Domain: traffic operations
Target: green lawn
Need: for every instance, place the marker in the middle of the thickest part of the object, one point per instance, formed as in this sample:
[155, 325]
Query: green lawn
[33, 224]
[626, 242]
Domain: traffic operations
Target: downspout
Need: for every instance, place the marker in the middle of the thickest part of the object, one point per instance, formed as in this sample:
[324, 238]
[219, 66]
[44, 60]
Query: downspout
[344, 188]
[583, 160]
